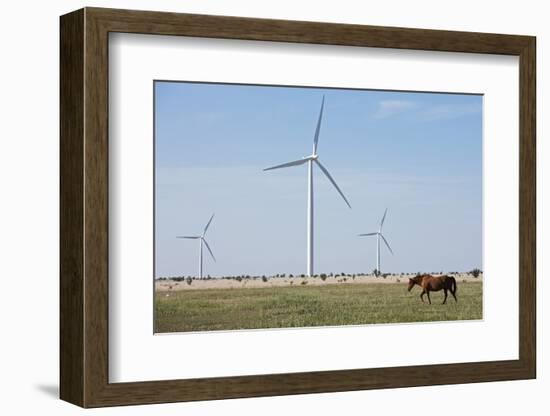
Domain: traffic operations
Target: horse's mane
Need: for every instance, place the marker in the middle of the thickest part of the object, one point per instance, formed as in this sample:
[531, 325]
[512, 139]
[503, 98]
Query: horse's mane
[419, 277]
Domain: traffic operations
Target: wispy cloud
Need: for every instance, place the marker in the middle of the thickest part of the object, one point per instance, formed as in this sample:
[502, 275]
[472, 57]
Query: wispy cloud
[388, 108]
[449, 111]
[422, 112]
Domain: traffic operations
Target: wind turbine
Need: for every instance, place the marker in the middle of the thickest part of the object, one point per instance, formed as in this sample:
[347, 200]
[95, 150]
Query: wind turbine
[310, 160]
[379, 235]
[201, 241]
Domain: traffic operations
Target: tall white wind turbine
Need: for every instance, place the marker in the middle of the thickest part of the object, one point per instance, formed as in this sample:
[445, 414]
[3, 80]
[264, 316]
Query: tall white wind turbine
[202, 241]
[379, 235]
[310, 160]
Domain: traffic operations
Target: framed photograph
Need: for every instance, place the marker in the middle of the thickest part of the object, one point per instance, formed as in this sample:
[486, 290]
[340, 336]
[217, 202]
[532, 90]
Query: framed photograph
[255, 207]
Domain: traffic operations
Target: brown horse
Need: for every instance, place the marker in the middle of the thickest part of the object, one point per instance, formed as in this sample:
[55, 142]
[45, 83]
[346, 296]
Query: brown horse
[430, 283]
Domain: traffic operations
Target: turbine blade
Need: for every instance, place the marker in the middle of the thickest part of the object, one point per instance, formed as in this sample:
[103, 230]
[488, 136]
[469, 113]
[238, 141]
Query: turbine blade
[192, 237]
[289, 164]
[364, 235]
[318, 129]
[389, 248]
[208, 224]
[209, 250]
[325, 171]
[383, 218]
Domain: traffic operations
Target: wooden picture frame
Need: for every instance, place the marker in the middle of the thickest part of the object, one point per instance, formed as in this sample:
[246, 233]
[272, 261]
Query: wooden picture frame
[84, 207]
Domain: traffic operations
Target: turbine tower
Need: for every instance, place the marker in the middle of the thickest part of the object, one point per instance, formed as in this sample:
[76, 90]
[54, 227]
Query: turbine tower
[201, 241]
[379, 235]
[310, 160]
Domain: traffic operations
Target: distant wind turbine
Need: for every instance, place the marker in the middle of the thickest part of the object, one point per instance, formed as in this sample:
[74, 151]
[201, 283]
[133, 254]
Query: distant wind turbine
[379, 235]
[314, 157]
[201, 241]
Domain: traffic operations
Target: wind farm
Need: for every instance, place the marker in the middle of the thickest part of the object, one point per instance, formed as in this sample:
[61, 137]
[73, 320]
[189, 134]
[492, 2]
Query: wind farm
[415, 158]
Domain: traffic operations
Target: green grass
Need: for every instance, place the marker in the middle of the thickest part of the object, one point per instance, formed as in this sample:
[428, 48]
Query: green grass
[307, 306]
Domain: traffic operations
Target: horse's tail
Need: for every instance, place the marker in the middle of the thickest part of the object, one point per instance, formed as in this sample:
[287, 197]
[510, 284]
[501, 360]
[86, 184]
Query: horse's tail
[453, 284]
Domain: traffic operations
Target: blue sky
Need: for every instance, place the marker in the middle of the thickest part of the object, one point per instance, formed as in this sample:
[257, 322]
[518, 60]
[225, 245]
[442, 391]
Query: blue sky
[418, 154]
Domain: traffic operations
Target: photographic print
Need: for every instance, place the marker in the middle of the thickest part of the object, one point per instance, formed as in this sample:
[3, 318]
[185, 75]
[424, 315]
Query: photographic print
[297, 207]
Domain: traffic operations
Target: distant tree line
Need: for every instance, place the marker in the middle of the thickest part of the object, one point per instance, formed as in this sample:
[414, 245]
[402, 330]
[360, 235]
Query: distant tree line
[476, 272]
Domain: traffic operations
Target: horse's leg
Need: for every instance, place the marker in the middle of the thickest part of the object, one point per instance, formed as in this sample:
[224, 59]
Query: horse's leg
[445, 300]
[422, 296]
[429, 300]
[453, 293]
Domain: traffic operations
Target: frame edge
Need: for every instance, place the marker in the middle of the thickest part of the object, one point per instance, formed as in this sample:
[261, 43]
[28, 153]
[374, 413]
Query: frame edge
[71, 295]
[528, 208]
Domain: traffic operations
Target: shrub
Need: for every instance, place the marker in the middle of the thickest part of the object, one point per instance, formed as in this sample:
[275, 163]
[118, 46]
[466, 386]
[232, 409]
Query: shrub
[189, 281]
[264, 279]
[323, 277]
[476, 272]
[238, 278]
[304, 282]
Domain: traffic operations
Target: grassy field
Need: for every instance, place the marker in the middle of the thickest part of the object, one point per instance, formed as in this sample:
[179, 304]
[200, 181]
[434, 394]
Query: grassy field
[307, 306]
